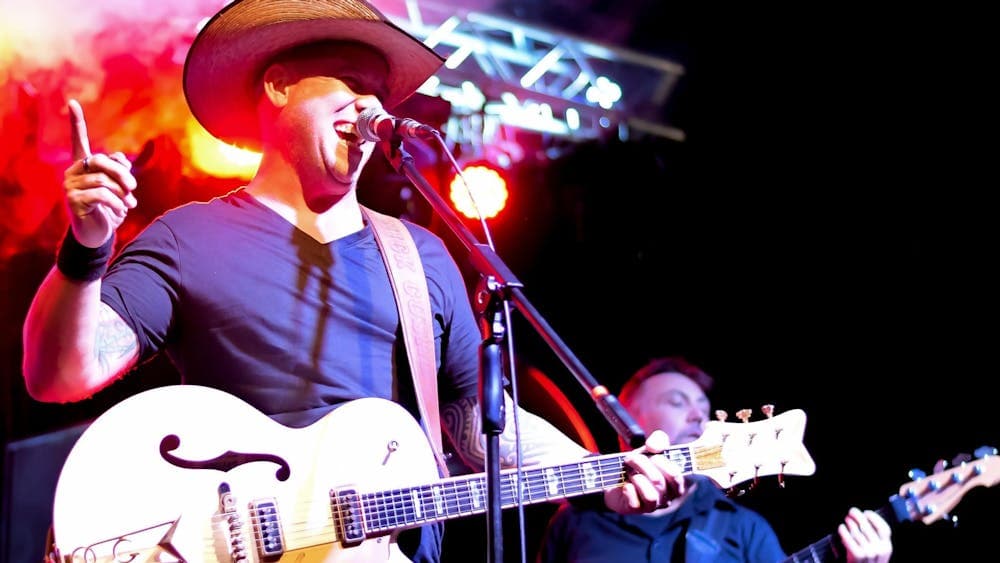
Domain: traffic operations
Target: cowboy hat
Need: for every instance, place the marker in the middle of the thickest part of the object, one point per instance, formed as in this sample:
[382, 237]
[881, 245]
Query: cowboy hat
[231, 51]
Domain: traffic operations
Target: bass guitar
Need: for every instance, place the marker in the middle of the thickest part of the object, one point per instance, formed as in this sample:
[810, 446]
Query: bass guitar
[926, 499]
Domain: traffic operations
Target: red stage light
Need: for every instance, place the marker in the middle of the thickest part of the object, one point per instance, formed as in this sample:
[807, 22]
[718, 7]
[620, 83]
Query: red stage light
[486, 184]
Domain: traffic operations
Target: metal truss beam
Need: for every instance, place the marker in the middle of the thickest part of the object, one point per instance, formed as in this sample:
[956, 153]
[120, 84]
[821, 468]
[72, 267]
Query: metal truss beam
[537, 78]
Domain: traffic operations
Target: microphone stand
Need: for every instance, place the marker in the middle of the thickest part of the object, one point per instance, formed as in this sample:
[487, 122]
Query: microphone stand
[501, 288]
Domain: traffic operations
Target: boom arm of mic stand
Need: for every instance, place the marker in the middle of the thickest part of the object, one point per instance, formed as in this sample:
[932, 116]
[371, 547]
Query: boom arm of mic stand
[488, 263]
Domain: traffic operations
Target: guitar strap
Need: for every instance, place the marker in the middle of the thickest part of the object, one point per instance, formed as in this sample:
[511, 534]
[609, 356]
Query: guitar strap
[409, 285]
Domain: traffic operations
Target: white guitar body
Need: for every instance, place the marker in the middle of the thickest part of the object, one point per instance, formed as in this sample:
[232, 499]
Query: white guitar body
[117, 464]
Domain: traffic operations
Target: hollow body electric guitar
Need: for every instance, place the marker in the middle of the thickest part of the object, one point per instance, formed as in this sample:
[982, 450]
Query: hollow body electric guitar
[191, 473]
[928, 498]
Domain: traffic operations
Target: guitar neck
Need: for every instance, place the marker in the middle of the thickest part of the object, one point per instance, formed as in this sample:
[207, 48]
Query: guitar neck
[926, 499]
[408, 507]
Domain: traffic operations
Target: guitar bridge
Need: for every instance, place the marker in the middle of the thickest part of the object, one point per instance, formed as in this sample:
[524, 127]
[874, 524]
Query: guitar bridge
[264, 519]
[229, 523]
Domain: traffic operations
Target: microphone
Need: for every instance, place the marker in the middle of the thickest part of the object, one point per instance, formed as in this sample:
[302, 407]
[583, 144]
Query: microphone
[374, 124]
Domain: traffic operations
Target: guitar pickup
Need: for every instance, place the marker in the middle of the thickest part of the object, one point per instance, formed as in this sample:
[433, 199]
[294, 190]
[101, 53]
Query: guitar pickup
[267, 528]
[263, 517]
[348, 517]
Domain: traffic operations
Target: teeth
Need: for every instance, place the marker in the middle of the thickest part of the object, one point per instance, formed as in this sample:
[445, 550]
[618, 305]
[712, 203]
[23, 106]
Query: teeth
[347, 132]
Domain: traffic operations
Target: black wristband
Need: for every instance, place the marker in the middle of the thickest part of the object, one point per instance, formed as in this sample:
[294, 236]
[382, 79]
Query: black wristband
[82, 263]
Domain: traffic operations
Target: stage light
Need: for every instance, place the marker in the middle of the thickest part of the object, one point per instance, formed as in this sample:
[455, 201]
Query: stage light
[486, 184]
[605, 92]
[572, 119]
[219, 159]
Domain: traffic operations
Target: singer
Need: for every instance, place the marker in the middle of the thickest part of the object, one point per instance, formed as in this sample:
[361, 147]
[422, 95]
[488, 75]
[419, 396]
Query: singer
[277, 293]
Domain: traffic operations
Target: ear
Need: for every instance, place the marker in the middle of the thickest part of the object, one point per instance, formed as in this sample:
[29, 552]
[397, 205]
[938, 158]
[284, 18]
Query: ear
[276, 81]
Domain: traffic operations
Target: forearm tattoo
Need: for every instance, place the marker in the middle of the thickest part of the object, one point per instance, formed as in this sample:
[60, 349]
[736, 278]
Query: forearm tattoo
[460, 420]
[463, 422]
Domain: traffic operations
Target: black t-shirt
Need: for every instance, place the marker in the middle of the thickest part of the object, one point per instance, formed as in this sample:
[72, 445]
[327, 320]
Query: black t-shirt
[243, 301]
[580, 533]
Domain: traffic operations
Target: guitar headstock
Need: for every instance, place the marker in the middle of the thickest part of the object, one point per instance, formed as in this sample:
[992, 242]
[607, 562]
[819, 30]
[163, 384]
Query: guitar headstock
[731, 453]
[930, 498]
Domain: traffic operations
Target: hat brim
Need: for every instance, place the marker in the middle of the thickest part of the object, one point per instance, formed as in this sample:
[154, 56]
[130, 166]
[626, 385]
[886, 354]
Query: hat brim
[228, 55]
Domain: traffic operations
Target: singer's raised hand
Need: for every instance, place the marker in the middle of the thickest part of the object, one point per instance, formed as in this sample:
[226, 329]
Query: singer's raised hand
[98, 187]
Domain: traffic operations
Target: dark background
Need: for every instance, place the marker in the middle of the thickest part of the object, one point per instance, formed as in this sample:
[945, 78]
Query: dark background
[825, 239]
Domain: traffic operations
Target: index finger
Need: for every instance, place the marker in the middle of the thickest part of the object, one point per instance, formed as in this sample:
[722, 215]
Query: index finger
[78, 131]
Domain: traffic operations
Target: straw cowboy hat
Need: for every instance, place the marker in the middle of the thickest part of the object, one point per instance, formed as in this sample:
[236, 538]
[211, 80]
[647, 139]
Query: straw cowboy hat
[230, 52]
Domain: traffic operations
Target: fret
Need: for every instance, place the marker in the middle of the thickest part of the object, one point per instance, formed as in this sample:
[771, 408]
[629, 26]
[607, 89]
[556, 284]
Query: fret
[532, 488]
[452, 501]
[681, 456]
[478, 493]
[553, 484]
[588, 476]
[507, 485]
[402, 511]
[392, 512]
[437, 500]
[465, 493]
[416, 500]
[428, 509]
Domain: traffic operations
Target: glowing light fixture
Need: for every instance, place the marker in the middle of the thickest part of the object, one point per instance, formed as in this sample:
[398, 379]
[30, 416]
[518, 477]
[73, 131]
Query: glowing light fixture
[604, 92]
[486, 194]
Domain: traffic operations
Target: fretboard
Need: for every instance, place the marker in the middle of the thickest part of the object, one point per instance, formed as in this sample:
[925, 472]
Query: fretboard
[407, 507]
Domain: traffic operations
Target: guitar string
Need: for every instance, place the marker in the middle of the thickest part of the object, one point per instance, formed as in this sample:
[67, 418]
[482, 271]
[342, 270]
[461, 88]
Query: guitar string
[385, 511]
[458, 498]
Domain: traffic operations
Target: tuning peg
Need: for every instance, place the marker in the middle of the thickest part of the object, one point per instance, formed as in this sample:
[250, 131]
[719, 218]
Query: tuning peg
[721, 415]
[736, 491]
[961, 458]
[984, 451]
[744, 414]
[916, 474]
[768, 410]
[940, 465]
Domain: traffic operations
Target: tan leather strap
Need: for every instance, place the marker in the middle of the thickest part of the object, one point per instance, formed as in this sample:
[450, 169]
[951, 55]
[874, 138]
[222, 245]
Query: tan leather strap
[409, 285]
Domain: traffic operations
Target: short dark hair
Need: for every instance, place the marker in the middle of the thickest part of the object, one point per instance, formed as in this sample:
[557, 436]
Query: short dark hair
[664, 364]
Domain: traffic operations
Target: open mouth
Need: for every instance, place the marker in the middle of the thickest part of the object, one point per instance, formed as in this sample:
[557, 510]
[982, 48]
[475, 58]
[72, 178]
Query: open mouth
[348, 133]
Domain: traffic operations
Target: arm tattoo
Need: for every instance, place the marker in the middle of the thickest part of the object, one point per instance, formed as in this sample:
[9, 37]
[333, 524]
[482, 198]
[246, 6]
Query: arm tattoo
[115, 345]
[463, 421]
